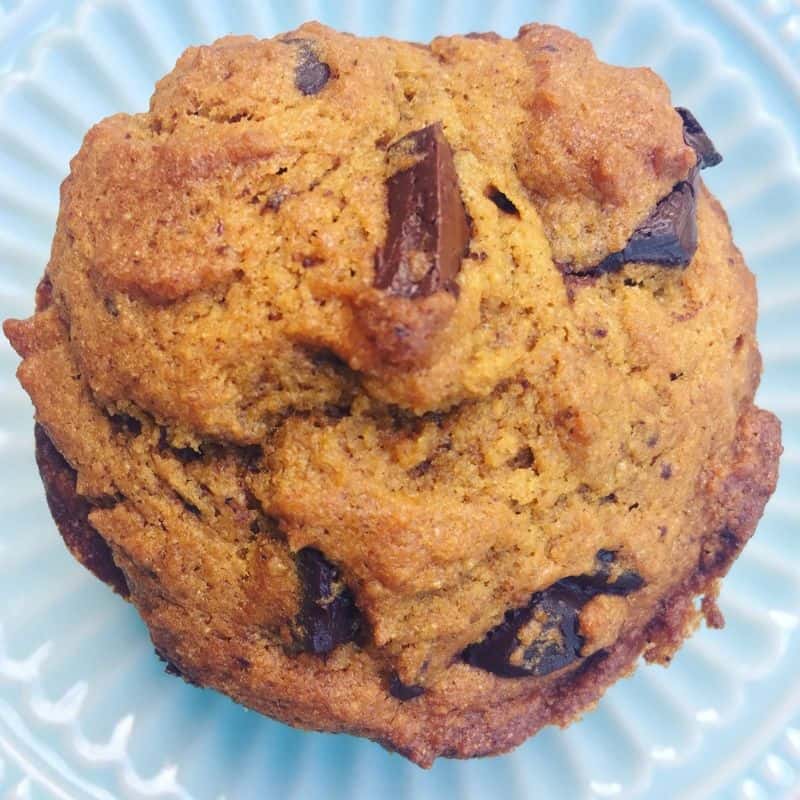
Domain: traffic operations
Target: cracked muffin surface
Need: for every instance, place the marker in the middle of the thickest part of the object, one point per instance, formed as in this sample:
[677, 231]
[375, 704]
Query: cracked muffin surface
[405, 390]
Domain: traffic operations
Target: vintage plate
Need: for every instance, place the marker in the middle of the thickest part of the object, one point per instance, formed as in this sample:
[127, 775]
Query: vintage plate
[85, 709]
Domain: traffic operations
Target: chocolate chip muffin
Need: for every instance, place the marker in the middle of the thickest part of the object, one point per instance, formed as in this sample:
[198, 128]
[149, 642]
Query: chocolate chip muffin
[404, 390]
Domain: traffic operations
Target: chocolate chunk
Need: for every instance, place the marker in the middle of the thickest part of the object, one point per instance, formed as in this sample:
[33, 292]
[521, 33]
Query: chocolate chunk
[502, 201]
[585, 587]
[559, 642]
[606, 556]
[173, 669]
[125, 424]
[334, 411]
[668, 237]
[403, 691]
[697, 138]
[310, 74]
[420, 469]
[328, 613]
[170, 668]
[428, 226]
[187, 455]
[327, 358]
[274, 200]
[524, 459]
[487, 36]
[718, 551]
[71, 514]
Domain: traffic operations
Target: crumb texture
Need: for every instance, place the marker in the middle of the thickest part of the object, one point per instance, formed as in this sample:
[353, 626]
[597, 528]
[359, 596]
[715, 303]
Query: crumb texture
[329, 384]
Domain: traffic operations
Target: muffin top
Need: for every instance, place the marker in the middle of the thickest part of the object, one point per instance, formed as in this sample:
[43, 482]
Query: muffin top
[398, 334]
[251, 200]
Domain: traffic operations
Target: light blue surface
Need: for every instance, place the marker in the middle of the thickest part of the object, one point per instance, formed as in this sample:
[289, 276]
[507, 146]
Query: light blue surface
[85, 710]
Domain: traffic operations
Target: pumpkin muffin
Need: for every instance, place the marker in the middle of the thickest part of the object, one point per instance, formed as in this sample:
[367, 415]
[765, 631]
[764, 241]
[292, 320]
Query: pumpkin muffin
[405, 390]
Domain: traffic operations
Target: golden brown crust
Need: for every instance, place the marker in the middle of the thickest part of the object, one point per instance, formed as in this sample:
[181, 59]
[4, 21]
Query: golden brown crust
[229, 385]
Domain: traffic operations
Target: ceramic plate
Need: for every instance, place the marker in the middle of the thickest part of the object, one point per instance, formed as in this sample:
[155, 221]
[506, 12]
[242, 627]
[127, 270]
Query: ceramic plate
[85, 708]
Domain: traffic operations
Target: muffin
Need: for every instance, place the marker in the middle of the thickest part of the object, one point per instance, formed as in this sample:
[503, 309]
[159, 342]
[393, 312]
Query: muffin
[404, 390]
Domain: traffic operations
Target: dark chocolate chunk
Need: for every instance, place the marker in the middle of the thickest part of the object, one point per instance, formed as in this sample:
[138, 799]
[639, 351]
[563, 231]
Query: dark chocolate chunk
[403, 691]
[488, 36]
[310, 74]
[274, 200]
[502, 201]
[187, 455]
[668, 237]
[524, 459]
[697, 138]
[191, 508]
[125, 424]
[334, 411]
[170, 668]
[606, 556]
[585, 587]
[559, 642]
[328, 613]
[327, 358]
[718, 551]
[71, 514]
[420, 469]
[173, 669]
[428, 226]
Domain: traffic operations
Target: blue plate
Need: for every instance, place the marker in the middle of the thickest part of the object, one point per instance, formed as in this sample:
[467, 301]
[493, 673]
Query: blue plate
[85, 709]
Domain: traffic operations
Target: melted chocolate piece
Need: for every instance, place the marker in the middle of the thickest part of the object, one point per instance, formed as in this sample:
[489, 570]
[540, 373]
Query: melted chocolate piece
[668, 237]
[310, 74]
[428, 226]
[559, 642]
[403, 691]
[328, 613]
[697, 138]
